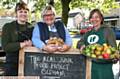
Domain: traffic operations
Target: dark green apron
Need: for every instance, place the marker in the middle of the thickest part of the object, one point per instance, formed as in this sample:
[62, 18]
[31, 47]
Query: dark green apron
[100, 69]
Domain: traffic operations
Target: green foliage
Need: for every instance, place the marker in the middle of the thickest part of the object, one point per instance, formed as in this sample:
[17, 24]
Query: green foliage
[104, 5]
[39, 5]
[8, 3]
[58, 7]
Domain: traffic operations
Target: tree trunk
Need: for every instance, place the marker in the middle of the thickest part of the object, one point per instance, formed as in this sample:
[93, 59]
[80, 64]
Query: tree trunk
[65, 10]
[51, 2]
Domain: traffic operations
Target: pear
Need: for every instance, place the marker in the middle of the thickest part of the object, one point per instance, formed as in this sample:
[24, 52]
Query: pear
[105, 45]
[108, 51]
[100, 57]
[93, 55]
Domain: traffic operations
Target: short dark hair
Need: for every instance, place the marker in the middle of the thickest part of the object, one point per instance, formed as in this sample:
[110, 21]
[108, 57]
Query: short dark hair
[99, 13]
[21, 5]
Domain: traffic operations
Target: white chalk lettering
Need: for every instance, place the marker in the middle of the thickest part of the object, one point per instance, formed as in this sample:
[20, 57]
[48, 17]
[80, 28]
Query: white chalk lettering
[43, 65]
[52, 72]
[57, 59]
[34, 62]
[59, 66]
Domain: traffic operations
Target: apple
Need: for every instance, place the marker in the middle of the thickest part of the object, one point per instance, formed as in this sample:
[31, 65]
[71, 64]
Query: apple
[88, 54]
[93, 47]
[106, 56]
[99, 48]
[97, 52]
[87, 50]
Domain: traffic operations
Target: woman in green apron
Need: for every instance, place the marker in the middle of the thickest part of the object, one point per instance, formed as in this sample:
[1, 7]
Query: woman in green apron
[100, 34]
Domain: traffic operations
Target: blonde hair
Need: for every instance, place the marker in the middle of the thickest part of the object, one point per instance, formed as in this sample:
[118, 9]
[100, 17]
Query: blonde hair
[48, 7]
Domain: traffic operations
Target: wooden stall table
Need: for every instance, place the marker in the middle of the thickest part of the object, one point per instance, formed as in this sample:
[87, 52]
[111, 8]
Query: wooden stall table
[65, 65]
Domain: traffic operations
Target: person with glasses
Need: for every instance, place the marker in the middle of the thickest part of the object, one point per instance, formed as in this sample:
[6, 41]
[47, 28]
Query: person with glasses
[50, 28]
[16, 35]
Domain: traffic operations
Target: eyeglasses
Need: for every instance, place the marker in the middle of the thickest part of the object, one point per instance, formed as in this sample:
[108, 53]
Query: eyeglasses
[47, 15]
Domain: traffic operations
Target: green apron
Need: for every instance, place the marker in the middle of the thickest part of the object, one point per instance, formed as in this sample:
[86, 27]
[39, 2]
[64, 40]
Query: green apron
[100, 69]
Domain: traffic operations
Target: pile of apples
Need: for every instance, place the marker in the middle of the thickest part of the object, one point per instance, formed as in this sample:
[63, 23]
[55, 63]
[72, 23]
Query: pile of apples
[101, 51]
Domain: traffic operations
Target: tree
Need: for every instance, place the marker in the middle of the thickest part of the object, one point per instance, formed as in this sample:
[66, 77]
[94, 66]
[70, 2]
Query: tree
[63, 6]
[39, 5]
[104, 5]
[8, 4]
[51, 2]
[65, 10]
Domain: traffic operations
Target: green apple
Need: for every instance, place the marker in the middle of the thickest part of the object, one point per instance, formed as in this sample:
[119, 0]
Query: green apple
[87, 50]
[88, 54]
[93, 47]
[113, 49]
[112, 56]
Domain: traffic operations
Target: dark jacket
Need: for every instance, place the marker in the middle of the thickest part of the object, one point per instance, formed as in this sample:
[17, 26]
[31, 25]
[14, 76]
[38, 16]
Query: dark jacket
[44, 31]
[12, 34]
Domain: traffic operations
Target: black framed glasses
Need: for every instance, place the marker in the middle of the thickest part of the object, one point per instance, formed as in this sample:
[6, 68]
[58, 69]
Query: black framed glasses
[47, 15]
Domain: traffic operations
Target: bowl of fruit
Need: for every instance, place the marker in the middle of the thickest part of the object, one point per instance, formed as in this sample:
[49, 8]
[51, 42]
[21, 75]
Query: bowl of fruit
[103, 52]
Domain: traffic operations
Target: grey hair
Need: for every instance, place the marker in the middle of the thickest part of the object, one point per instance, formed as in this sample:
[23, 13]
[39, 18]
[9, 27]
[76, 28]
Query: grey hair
[48, 7]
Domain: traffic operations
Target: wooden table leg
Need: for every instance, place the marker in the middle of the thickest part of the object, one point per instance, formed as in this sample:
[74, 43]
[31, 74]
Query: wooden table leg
[88, 68]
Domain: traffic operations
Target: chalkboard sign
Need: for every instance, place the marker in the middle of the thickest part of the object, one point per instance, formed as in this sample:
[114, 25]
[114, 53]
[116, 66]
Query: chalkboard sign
[53, 66]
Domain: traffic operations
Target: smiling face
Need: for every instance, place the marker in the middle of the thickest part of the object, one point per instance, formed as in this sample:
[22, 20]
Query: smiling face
[21, 11]
[49, 17]
[22, 15]
[96, 19]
